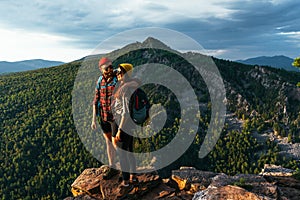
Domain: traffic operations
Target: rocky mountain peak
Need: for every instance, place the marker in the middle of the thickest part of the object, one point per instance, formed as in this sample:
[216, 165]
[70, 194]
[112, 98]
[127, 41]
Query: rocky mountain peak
[151, 42]
[274, 182]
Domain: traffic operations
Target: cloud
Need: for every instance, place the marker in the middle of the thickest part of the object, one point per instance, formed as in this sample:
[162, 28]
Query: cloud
[48, 46]
[224, 25]
[79, 17]
[87, 23]
[251, 29]
[292, 37]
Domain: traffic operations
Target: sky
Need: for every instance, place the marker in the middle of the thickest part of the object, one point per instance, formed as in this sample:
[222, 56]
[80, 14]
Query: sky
[71, 29]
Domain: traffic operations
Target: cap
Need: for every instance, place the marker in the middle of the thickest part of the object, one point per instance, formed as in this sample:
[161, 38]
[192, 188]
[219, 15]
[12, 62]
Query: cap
[104, 61]
[127, 67]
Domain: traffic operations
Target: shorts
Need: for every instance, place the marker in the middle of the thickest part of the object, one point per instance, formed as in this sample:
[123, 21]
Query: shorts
[106, 126]
[126, 141]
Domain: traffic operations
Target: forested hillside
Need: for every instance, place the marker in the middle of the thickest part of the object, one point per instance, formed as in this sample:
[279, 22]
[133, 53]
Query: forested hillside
[42, 154]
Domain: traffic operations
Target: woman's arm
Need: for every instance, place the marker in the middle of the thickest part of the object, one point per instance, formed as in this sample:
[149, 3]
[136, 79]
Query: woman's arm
[125, 115]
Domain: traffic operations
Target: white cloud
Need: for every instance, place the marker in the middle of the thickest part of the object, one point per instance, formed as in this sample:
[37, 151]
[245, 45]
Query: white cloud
[293, 37]
[19, 44]
[135, 12]
[276, 2]
[219, 24]
[292, 34]
[123, 13]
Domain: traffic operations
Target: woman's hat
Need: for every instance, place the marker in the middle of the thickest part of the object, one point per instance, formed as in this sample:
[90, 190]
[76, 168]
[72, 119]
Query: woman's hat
[127, 67]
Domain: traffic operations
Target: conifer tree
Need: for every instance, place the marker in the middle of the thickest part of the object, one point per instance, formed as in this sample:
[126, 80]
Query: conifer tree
[296, 63]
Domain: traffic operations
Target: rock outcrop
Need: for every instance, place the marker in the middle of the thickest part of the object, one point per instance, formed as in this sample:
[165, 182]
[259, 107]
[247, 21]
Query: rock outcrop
[190, 183]
[274, 170]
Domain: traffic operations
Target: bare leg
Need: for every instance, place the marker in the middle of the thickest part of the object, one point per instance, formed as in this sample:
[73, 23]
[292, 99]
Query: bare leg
[111, 152]
[132, 160]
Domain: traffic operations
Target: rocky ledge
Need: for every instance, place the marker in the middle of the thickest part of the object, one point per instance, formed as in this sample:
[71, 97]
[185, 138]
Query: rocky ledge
[189, 183]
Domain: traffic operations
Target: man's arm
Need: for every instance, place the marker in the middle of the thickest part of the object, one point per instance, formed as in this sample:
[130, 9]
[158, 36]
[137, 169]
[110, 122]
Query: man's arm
[95, 105]
[93, 125]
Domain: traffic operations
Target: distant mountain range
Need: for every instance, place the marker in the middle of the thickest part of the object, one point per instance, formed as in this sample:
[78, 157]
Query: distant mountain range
[274, 61]
[281, 62]
[7, 67]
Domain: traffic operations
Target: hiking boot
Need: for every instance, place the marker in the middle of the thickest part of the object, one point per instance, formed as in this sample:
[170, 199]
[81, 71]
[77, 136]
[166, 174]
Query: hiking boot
[133, 179]
[109, 173]
[124, 190]
[120, 179]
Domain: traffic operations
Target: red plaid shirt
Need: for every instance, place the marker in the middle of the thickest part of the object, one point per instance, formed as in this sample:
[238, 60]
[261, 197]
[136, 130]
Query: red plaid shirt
[103, 97]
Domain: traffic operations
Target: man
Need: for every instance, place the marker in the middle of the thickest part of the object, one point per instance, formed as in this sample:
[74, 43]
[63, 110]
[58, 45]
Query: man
[102, 107]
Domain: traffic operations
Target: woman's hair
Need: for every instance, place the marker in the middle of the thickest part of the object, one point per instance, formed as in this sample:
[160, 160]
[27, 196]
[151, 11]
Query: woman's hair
[125, 78]
[117, 91]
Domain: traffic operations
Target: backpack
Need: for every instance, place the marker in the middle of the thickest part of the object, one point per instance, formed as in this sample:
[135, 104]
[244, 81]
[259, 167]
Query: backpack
[139, 107]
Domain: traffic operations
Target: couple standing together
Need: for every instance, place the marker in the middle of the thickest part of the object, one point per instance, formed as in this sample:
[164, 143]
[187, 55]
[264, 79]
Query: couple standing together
[111, 105]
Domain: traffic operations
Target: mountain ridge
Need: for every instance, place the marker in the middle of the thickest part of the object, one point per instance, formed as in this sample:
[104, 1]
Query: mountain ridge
[25, 65]
[277, 61]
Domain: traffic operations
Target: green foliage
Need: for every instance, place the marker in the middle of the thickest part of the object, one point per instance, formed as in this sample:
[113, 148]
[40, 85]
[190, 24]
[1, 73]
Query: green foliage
[296, 62]
[269, 156]
[296, 174]
[242, 183]
[235, 153]
[42, 154]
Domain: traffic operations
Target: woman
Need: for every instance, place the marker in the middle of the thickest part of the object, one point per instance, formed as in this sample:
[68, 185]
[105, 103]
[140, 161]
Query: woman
[123, 141]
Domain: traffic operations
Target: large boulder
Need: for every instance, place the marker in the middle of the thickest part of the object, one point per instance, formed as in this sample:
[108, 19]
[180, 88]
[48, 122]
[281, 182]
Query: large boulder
[225, 193]
[91, 185]
[187, 183]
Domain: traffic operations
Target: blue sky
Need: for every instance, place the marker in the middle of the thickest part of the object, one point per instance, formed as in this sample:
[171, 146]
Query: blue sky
[70, 29]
